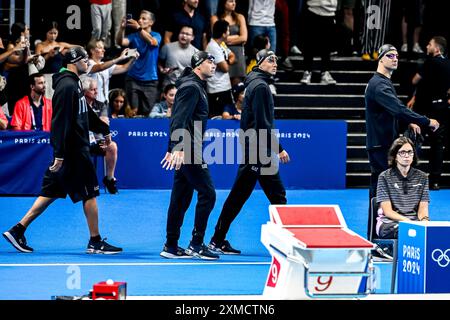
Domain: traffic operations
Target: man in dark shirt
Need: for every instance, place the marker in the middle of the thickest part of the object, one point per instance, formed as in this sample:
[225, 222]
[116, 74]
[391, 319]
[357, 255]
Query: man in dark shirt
[189, 15]
[187, 127]
[260, 146]
[433, 81]
[383, 111]
[72, 171]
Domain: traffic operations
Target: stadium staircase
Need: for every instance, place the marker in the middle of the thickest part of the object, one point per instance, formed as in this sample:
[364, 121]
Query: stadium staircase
[344, 101]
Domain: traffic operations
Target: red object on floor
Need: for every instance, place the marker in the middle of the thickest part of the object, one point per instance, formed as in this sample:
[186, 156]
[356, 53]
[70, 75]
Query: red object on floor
[114, 291]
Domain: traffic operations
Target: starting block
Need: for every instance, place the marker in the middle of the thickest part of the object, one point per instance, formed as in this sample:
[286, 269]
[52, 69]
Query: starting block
[315, 255]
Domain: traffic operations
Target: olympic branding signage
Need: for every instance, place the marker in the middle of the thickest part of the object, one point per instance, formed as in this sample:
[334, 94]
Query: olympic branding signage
[441, 257]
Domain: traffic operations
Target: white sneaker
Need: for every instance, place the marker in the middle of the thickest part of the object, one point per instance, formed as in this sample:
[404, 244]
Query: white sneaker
[326, 78]
[417, 48]
[295, 51]
[306, 79]
[404, 48]
[287, 64]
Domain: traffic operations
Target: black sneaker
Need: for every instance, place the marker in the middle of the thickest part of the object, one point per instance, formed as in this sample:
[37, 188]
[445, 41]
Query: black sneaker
[110, 185]
[17, 240]
[102, 247]
[174, 253]
[224, 248]
[201, 251]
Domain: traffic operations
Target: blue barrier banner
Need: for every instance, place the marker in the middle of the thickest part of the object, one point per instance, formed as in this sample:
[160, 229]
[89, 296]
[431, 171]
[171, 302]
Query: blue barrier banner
[438, 259]
[24, 157]
[411, 258]
[424, 257]
[317, 150]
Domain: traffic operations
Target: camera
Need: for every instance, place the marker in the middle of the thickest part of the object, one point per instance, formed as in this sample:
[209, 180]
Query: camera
[129, 16]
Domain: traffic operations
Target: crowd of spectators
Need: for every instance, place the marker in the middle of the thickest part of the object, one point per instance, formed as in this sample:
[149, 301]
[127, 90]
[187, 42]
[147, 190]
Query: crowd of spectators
[151, 49]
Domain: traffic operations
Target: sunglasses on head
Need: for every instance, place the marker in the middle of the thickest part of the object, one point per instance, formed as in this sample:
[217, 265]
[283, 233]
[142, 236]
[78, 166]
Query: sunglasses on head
[392, 55]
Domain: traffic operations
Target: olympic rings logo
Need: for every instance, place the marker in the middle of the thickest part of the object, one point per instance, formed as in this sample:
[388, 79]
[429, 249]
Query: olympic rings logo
[114, 133]
[441, 257]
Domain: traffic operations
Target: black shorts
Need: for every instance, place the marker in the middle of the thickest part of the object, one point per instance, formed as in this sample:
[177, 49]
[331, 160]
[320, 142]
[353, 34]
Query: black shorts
[76, 178]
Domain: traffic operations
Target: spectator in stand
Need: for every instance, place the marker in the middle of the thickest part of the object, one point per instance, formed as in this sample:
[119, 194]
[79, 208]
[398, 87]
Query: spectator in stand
[319, 17]
[349, 16]
[117, 103]
[3, 120]
[53, 52]
[103, 71]
[3, 98]
[176, 56]
[98, 146]
[259, 42]
[282, 26]
[261, 20]
[295, 9]
[375, 26]
[210, 7]
[233, 111]
[219, 85]
[101, 20]
[189, 15]
[237, 38]
[119, 8]
[163, 109]
[142, 79]
[433, 82]
[34, 111]
[15, 68]
[411, 25]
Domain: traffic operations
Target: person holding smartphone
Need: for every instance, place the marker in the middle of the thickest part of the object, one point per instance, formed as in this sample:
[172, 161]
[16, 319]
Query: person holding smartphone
[103, 71]
[52, 51]
[141, 82]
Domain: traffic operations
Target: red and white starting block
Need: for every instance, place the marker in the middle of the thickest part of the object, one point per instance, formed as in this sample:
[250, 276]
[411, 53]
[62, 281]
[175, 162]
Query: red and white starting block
[314, 254]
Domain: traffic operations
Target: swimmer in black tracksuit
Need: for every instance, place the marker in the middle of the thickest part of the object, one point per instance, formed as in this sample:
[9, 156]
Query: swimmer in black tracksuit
[260, 145]
[187, 126]
[72, 172]
[384, 111]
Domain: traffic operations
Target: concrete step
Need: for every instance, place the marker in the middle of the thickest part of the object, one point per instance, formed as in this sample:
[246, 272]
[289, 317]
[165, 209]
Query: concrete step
[341, 76]
[323, 89]
[316, 113]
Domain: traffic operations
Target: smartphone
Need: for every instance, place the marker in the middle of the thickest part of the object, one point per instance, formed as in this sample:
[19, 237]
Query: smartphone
[131, 52]
[129, 16]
